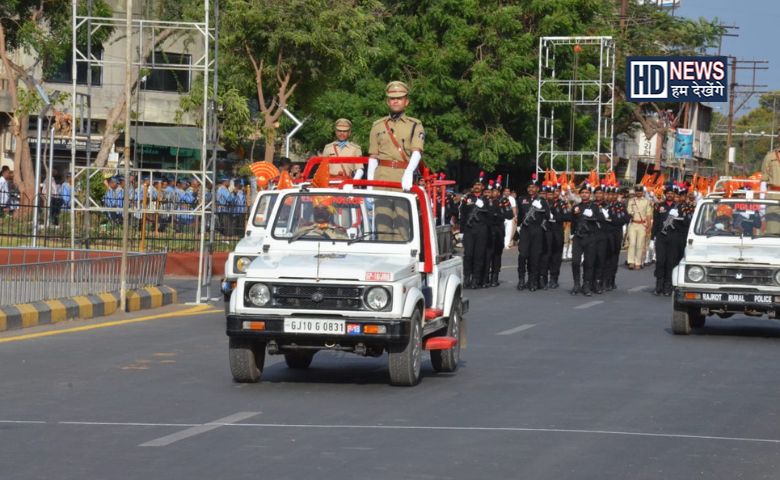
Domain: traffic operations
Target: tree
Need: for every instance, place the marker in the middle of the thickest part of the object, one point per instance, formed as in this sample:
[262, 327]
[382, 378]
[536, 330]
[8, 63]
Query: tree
[293, 47]
[42, 29]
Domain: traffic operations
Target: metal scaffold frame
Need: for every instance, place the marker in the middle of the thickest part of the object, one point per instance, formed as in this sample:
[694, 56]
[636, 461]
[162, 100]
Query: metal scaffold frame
[143, 30]
[594, 96]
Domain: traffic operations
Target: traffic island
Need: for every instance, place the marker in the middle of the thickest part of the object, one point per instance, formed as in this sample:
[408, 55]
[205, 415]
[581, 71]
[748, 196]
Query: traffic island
[13, 317]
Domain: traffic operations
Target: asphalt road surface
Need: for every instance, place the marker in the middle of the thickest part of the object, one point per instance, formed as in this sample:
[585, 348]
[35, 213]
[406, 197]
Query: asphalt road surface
[551, 386]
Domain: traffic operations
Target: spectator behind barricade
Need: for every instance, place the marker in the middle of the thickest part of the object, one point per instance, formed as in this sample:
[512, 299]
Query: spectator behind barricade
[224, 202]
[111, 200]
[239, 207]
[5, 191]
[66, 191]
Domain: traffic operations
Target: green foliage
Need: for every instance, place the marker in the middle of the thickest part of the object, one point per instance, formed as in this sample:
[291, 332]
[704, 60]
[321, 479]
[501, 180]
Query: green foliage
[235, 123]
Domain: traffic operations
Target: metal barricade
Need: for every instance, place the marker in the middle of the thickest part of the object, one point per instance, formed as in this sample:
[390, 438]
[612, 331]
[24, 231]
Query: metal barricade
[22, 282]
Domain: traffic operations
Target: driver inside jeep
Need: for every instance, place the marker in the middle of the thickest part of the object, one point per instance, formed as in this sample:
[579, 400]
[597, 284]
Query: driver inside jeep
[323, 226]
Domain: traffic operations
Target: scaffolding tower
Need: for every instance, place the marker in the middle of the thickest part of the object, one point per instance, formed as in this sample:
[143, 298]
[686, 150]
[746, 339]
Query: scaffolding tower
[575, 100]
[198, 35]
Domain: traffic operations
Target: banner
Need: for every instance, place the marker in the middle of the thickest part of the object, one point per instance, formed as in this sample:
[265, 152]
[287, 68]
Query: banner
[677, 79]
[683, 143]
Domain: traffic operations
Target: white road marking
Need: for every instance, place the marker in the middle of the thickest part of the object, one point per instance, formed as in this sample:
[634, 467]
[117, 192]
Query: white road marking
[198, 429]
[638, 289]
[233, 418]
[517, 329]
[589, 304]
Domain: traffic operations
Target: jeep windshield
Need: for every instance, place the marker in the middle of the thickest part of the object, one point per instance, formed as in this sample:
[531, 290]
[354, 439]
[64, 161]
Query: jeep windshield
[739, 218]
[343, 217]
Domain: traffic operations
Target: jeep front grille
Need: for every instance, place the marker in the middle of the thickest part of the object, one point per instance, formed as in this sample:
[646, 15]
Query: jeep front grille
[740, 276]
[317, 297]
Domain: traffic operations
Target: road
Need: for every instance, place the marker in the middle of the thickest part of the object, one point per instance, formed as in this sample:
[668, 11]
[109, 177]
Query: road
[551, 386]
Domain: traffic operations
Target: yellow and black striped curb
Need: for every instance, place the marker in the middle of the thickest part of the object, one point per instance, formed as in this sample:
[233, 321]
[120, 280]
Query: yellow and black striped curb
[25, 315]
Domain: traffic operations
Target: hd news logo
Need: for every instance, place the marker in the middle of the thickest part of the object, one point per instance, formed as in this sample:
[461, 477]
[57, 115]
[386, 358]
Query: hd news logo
[677, 79]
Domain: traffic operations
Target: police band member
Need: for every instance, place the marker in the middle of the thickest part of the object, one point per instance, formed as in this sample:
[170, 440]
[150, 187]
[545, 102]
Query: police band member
[666, 231]
[475, 224]
[342, 147]
[586, 216]
[532, 212]
[554, 236]
[615, 217]
[499, 210]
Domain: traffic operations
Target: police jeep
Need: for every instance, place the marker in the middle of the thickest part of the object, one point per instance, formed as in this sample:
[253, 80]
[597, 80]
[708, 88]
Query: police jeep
[731, 258]
[337, 272]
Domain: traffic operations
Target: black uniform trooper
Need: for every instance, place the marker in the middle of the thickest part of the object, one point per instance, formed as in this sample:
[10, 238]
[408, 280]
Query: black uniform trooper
[553, 236]
[616, 218]
[585, 227]
[686, 212]
[667, 228]
[602, 238]
[499, 210]
[474, 222]
[532, 213]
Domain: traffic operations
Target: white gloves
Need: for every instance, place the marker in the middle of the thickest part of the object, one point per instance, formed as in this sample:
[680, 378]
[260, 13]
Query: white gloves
[605, 212]
[537, 204]
[479, 203]
[372, 164]
[358, 174]
[588, 212]
[408, 178]
[348, 187]
[674, 213]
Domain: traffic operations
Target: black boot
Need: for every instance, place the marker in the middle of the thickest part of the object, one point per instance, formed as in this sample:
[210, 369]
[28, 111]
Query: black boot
[667, 289]
[521, 285]
[533, 284]
[554, 282]
[599, 289]
[586, 289]
[576, 289]
[612, 284]
[659, 287]
[494, 282]
[543, 284]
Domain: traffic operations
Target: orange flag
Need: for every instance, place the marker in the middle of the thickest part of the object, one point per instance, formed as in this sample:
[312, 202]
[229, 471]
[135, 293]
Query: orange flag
[322, 177]
[284, 181]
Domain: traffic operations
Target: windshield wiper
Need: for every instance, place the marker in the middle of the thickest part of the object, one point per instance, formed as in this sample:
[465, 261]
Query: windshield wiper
[303, 233]
[367, 234]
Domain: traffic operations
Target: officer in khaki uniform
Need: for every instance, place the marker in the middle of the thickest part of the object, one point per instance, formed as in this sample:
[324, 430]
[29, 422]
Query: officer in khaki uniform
[770, 173]
[640, 210]
[395, 148]
[342, 147]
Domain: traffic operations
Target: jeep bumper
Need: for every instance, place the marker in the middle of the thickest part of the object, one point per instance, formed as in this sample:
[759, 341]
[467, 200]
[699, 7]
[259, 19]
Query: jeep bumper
[720, 301]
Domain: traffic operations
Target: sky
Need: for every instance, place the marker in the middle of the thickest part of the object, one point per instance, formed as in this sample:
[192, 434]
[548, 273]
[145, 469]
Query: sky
[759, 24]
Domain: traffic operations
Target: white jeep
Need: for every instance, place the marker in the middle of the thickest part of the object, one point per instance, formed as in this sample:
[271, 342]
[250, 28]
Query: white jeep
[360, 271]
[732, 260]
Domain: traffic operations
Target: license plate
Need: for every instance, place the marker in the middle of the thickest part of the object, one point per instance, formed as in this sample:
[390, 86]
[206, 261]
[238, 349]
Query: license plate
[306, 325]
[737, 297]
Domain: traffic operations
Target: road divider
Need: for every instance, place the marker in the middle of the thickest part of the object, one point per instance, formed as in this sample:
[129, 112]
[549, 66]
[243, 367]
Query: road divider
[13, 317]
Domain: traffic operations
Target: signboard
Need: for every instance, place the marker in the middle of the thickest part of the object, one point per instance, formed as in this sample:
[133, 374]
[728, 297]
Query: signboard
[677, 79]
[683, 143]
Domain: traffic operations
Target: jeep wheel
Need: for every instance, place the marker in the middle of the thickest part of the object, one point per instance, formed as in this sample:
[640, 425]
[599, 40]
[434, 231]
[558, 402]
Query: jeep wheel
[696, 318]
[681, 324]
[247, 359]
[299, 359]
[447, 360]
[406, 360]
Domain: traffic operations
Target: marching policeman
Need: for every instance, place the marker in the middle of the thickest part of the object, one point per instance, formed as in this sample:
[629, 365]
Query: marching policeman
[499, 210]
[474, 222]
[586, 216]
[553, 237]
[666, 231]
[342, 147]
[616, 217]
[532, 213]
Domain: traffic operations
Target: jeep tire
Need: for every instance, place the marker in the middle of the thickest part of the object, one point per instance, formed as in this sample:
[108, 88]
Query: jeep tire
[447, 360]
[299, 359]
[247, 359]
[405, 360]
[681, 324]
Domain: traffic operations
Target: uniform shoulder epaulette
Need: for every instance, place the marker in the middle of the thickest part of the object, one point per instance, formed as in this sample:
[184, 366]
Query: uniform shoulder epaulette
[381, 120]
[412, 119]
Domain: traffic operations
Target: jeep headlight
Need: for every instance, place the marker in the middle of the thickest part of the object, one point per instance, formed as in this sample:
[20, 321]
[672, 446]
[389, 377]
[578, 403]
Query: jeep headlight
[242, 263]
[695, 273]
[777, 276]
[259, 294]
[377, 298]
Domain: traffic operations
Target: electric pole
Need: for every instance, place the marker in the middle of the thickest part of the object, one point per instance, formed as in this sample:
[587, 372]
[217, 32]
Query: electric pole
[749, 91]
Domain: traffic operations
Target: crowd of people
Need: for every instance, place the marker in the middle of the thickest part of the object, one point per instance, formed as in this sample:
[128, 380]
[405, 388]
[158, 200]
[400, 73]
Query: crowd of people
[589, 224]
